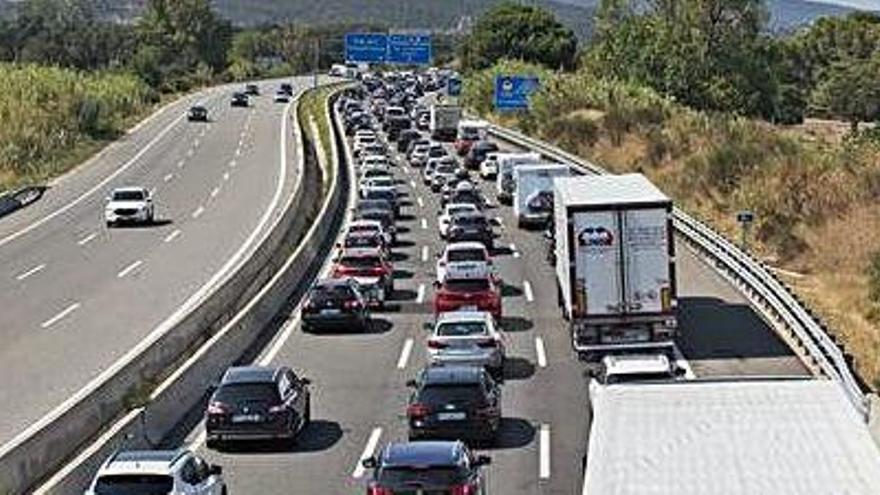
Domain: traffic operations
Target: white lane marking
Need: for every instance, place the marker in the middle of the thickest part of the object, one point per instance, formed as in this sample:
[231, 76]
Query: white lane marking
[215, 192]
[404, 354]
[30, 272]
[541, 352]
[420, 202]
[153, 191]
[681, 362]
[87, 239]
[98, 186]
[500, 222]
[372, 442]
[527, 289]
[513, 250]
[232, 163]
[170, 237]
[420, 295]
[412, 183]
[238, 152]
[198, 212]
[544, 464]
[130, 268]
[196, 143]
[181, 163]
[424, 224]
[168, 177]
[190, 152]
[55, 319]
[424, 253]
[225, 175]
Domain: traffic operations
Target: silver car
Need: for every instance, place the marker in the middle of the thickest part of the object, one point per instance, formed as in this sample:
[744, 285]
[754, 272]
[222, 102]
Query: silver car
[467, 338]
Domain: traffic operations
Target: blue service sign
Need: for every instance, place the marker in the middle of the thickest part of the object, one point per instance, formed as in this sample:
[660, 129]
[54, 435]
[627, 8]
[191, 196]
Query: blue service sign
[366, 47]
[512, 92]
[453, 86]
[409, 49]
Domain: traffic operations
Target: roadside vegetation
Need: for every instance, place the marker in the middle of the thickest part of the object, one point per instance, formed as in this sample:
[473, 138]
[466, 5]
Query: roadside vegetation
[717, 143]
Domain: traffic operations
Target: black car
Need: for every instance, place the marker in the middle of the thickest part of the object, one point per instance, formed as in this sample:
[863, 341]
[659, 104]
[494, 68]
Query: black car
[406, 136]
[383, 194]
[252, 89]
[286, 88]
[435, 467]
[258, 403]
[239, 100]
[395, 125]
[471, 226]
[478, 152]
[197, 113]
[335, 304]
[383, 216]
[454, 402]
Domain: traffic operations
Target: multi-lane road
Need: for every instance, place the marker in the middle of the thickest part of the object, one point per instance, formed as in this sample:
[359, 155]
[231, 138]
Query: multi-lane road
[359, 396]
[76, 296]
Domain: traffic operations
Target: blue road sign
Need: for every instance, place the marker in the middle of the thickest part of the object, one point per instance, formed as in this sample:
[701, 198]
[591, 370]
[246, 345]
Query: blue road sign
[512, 92]
[453, 86]
[366, 47]
[409, 49]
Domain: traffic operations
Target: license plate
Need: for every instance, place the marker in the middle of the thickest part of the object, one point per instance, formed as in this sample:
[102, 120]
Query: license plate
[330, 311]
[451, 416]
[468, 307]
[247, 418]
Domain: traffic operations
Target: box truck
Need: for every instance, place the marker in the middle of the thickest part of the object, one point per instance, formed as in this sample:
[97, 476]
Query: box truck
[615, 262]
[505, 184]
[533, 196]
[444, 121]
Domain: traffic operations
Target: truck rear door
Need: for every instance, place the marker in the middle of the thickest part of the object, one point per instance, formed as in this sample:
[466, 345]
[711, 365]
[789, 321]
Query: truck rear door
[597, 287]
[646, 252]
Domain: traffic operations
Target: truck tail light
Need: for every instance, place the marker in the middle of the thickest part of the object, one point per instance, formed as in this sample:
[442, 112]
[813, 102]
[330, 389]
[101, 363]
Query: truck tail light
[666, 298]
[580, 298]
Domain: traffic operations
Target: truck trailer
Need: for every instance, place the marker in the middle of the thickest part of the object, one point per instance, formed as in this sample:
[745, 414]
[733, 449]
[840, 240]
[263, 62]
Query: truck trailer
[615, 263]
[505, 182]
[533, 196]
[444, 122]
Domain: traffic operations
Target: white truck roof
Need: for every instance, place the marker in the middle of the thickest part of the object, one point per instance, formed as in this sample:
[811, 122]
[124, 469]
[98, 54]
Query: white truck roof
[597, 190]
[738, 438]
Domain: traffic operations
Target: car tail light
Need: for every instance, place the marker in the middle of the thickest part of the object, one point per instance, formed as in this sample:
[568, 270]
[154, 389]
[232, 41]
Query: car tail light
[464, 490]
[436, 344]
[276, 409]
[352, 304]
[417, 410]
[378, 490]
[218, 408]
[488, 343]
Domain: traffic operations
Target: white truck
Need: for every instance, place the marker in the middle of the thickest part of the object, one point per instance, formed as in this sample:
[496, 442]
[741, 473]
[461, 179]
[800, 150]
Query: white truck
[444, 121]
[533, 196]
[505, 184]
[615, 263]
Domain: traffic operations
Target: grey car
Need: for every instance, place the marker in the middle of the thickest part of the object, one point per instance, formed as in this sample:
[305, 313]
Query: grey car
[467, 338]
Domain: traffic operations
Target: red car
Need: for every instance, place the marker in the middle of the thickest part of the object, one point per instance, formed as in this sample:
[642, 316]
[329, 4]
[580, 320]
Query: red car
[370, 268]
[472, 289]
[463, 145]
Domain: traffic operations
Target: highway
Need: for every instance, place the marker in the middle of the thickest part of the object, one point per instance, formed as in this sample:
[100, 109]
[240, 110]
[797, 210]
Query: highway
[76, 296]
[359, 395]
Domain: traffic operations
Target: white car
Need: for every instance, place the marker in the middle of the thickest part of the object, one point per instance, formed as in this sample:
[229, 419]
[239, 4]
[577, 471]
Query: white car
[446, 215]
[489, 167]
[129, 205]
[361, 141]
[419, 155]
[467, 338]
[463, 258]
[157, 471]
[381, 181]
[374, 226]
[281, 96]
[627, 368]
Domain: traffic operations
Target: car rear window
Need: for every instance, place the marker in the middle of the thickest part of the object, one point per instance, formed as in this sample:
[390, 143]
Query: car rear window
[360, 261]
[462, 329]
[380, 194]
[452, 393]
[128, 195]
[466, 255]
[332, 293]
[470, 221]
[362, 241]
[134, 484]
[232, 393]
[410, 480]
[466, 285]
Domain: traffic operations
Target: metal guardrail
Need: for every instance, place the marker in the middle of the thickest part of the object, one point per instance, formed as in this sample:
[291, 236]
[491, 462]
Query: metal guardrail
[758, 283]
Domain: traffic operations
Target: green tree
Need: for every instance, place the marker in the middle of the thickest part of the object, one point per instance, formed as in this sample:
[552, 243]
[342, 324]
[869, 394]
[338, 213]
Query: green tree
[850, 89]
[513, 31]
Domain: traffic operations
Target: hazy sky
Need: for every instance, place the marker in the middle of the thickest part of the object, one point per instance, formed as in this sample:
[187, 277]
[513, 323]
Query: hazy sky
[859, 4]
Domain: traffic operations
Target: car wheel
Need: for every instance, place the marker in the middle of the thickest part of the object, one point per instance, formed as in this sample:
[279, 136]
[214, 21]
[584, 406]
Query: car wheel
[109, 224]
[307, 416]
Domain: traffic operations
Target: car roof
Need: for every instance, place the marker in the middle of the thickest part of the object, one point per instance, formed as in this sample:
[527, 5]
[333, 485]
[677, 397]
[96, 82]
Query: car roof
[463, 315]
[465, 214]
[249, 374]
[362, 252]
[364, 222]
[469, 206]
[130, 189]
[452, 246]
[451, 375]
[143, 461]
[626, 364]
[328, 283]
[422, 453]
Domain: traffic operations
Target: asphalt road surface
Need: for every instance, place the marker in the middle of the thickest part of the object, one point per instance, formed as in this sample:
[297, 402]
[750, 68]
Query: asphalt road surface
[359, 394]
[76, 296]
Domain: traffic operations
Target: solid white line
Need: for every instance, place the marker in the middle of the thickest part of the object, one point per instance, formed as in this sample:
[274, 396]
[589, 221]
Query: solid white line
[424, 253]
[500, 222]
[238, 151]
[527, 289]
[130, 268]
[372, 442]
[424, 224]
[55, 319]
[168, 177]
[544, 464]
[404, 354]
[196, 143]
[420, 202]
[30, 272]
[153, 191]
[215, 192]
[170, 237]
[198, 212]
[541, 352]
[513, 250]
[420, 295]
[87, 239]
[96, 187]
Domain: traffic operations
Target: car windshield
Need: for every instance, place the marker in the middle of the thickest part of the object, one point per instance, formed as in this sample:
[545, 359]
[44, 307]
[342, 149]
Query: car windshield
[134, 484]
[377, 194]
[436, 152]
[413, 478]
[360, 261]
[461, 209]
[128, 196]
[466, 285]
[364, 228]
[235, 392]
[462, 329]
[466, 255]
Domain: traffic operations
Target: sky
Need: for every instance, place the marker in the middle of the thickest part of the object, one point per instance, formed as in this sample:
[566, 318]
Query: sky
[859, 4]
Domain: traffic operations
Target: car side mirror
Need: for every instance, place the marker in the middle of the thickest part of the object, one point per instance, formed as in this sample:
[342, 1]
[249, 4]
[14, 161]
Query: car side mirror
[411, 383]
[482, 460]
[215, 470]
[370, 463]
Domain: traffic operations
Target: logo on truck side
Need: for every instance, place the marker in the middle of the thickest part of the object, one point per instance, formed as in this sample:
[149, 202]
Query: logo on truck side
[595, 236]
